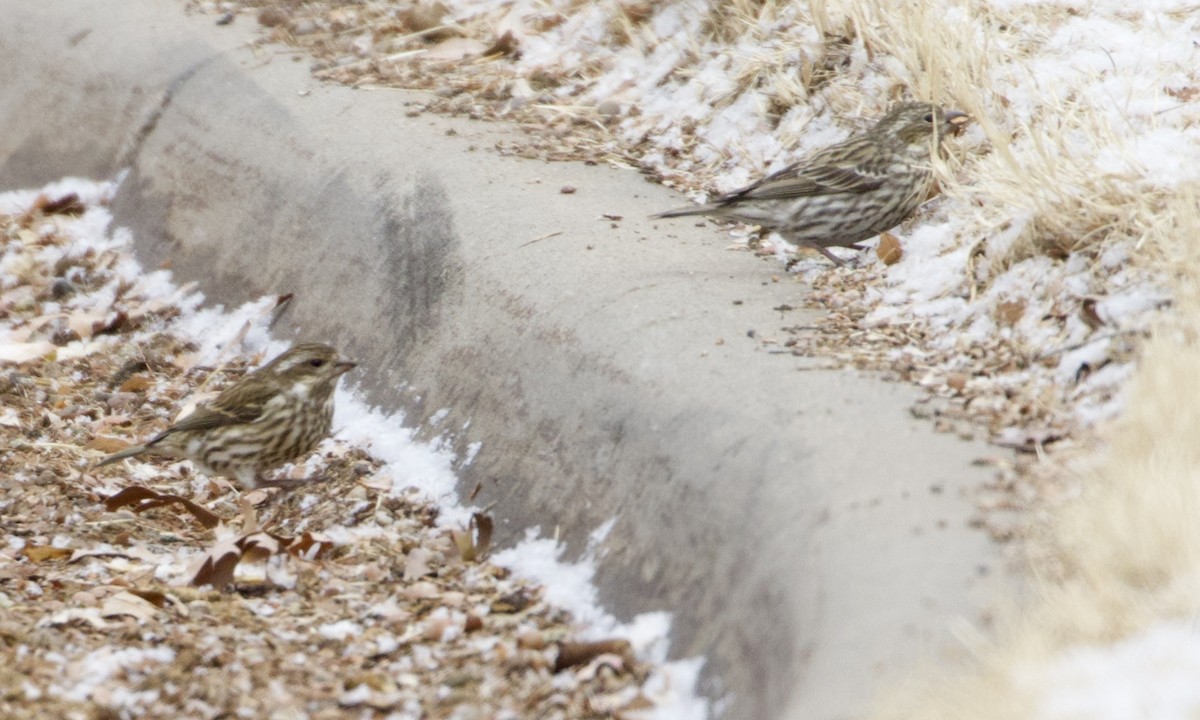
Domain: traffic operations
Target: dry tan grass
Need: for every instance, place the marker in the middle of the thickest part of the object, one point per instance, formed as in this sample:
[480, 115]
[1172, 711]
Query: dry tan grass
[1126, 553]
[948, 52]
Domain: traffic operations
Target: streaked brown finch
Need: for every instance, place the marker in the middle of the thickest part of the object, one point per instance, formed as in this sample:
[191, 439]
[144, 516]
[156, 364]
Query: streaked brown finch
[847, 192]
[271, 416]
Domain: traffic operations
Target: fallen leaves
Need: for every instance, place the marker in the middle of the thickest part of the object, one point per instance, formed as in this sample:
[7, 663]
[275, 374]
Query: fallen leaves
[48, 269]
[218, 564]
[136, 383]
[140, 499]
[42, 553]
[615, 652]
[398, 612]
[127, 603]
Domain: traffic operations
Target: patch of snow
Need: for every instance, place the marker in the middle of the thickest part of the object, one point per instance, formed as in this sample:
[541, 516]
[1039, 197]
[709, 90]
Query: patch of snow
[223, 333]
[570, 585]
[96, 668]
[340, 630]
[1148, 675]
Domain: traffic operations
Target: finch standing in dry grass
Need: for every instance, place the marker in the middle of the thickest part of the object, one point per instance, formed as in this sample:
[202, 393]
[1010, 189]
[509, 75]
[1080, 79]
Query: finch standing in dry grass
[272, 416]
[847, 192]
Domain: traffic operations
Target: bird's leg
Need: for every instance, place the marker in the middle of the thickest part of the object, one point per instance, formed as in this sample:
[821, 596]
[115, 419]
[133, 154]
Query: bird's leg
[819, 248]
[825, 251]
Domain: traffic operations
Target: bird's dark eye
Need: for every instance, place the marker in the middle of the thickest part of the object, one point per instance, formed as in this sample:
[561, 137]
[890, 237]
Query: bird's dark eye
[316, 362]
[928, 117]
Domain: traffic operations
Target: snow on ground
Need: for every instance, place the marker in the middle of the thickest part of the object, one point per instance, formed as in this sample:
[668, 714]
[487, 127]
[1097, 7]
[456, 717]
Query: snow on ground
[1075, 112]
[1024, 293]
[1039, 270]
[1151, 674]
[71, 292]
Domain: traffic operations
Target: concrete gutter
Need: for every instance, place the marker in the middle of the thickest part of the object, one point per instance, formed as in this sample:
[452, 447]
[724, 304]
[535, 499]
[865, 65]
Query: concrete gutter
[809, 536]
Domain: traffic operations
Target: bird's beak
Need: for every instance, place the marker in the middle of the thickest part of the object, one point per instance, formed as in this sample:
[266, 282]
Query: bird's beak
[343, 366]
[956, 120]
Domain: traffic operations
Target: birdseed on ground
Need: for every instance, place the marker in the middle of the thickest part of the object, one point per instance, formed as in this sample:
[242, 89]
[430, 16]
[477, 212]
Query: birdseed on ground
[141, 589]
[1024, 353]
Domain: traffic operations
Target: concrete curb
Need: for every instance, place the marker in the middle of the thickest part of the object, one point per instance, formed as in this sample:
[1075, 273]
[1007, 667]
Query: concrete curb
[785, 517]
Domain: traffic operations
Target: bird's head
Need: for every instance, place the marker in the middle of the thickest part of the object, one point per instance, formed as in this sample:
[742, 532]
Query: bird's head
[311, 364]
[914, 123]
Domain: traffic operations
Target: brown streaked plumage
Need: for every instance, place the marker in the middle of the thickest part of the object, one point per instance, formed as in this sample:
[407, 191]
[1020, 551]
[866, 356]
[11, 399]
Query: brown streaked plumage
[847, 192]
[274, 415]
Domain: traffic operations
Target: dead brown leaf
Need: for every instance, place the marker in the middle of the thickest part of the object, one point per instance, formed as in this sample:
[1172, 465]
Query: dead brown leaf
[140, 499]
[571, 654]
[1010, 313]
[889, 250]
[309, 546]
[1087, 313]
[68, 204]
[42, 553]
[217, 570]
[223, 558]
[126, 603]
[1184, 94]
[112, 323]
[506, 45]
[473, 623]
[157, 598]
[473, 544]
[220, 562]
[107, 444]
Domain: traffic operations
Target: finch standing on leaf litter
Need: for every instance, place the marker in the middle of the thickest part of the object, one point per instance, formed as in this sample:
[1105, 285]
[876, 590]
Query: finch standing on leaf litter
[847, 192]
[274, 415]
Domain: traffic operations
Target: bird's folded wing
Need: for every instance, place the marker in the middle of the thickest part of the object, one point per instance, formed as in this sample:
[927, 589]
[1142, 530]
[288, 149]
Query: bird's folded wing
[804, 179]
[205, 418]
[237, 405]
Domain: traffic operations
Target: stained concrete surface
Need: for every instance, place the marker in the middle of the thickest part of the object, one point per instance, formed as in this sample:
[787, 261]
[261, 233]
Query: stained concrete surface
[810, 537]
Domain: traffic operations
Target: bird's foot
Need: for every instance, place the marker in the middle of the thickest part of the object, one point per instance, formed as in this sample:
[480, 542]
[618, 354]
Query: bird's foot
[833, 258]
[839, 262]
[291, 483]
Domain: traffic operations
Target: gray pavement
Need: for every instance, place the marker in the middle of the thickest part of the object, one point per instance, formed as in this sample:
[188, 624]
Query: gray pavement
[785, 514]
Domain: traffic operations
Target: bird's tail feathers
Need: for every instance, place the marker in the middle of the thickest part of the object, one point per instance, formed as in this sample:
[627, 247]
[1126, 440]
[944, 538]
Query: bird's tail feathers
[126, 453]
[689, 210]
